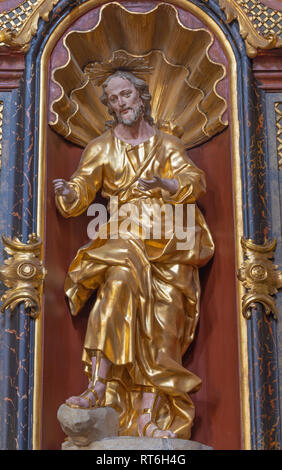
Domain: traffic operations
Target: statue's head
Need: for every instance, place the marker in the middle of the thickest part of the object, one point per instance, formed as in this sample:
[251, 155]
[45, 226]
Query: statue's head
[127, 98]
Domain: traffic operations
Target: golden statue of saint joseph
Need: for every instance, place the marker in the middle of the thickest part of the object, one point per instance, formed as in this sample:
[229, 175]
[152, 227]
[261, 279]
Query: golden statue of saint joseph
[148, 290]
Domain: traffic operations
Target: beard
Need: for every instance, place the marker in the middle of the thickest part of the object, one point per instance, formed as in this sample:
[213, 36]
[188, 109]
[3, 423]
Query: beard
[138, 111]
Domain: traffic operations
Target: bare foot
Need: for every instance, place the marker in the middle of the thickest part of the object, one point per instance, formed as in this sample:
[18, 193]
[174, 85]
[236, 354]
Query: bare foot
[93, 397]
[152, 430]
[146, 423]
[88, 399]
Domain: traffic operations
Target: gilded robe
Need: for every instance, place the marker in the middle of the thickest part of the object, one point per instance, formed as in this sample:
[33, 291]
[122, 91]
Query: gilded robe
[147, 305]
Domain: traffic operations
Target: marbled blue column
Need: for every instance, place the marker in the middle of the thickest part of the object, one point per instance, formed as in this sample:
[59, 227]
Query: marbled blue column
[18, 190]
[17, 329]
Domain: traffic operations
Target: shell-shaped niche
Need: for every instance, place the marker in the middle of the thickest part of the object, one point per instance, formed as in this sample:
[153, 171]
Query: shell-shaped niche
[182, 83]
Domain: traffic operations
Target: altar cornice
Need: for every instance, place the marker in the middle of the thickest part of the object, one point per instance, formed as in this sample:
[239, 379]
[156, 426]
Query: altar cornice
[260, 24]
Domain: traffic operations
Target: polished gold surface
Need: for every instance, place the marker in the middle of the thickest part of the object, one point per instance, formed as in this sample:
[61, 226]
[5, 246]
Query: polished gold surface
[23, 274]
[183, 81]
[238, 205]
[98, 72]
[147, 306]
[278, 116]
[239, 230]
[260, 277]
[254, 40]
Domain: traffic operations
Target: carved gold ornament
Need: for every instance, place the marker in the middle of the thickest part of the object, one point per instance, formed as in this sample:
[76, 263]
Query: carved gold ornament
[23, 273]
[183, 77]
[266, 20]
[252, 17]
[259, 276]
[18, 26]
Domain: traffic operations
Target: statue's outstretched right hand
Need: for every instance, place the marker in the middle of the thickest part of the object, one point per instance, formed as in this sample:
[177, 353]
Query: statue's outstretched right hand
[64, 189]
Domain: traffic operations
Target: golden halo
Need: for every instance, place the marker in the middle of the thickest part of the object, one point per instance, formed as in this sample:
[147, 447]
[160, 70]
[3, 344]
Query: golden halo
[98, 72]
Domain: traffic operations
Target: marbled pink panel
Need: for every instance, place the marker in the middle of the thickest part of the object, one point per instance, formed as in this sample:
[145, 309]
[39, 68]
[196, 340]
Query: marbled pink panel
[9, 5]
[274, 4]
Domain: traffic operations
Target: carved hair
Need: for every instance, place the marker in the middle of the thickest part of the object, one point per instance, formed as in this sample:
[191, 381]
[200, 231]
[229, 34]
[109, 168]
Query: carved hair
[140, 85]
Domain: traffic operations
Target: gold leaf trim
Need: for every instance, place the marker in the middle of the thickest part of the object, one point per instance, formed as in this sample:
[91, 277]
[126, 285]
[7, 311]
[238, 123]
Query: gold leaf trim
[259, 276]
[98, 72]
[254, 40]
[265, 19]
[18, 26]
[23, 273]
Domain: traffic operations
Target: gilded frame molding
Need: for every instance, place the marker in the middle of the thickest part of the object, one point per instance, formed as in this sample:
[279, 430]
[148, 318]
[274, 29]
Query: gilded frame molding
[252, 36]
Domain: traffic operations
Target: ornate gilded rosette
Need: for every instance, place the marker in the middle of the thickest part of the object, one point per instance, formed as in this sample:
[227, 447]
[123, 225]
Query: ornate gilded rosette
[22, 273]
[259, 276]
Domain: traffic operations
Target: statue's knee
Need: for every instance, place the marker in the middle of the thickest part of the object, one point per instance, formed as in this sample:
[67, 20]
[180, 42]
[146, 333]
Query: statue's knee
[120, 277]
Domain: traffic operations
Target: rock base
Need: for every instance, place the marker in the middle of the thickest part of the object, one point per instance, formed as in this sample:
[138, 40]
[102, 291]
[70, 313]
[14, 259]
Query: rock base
[97, 429]
[85, 426]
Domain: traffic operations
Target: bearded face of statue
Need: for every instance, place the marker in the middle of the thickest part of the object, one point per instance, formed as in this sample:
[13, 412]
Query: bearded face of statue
[124, 101]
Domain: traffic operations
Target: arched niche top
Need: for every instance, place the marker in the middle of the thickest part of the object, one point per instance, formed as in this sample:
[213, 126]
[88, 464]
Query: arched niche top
[188, 82]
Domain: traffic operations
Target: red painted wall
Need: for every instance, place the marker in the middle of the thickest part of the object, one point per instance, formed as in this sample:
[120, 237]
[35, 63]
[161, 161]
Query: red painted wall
[214, 353]
[63, 334]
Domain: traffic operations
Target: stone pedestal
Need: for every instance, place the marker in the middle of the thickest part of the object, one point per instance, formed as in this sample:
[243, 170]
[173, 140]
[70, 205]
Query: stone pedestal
[97, 429]
[137, 443]
[86, 426]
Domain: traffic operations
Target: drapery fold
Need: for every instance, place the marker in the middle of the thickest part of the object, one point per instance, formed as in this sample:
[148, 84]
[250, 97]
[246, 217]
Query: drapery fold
[147, 305]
